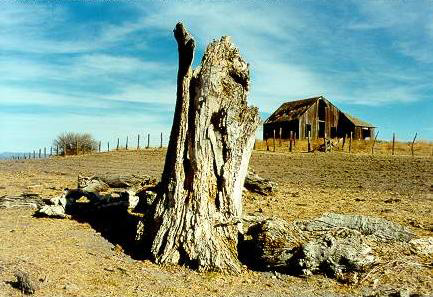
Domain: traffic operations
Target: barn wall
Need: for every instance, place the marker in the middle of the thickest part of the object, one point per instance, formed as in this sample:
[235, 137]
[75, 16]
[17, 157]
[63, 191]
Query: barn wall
[308, 118]
[311, 116]
[372, 132]
[332, 117]
[358, 133]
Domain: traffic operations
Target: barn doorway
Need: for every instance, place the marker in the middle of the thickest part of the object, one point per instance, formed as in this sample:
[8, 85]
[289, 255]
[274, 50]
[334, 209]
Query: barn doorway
[322, 110]
[333, 132]
[307, 130]
[321, 129]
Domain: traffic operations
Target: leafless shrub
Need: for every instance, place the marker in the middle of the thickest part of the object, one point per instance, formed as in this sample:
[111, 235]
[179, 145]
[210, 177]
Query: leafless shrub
[71, 143]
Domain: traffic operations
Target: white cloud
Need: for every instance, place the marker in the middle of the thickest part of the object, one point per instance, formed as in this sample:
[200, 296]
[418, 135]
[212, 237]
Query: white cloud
[277, 38]
[271, 36]
[43, 27]
[277, 82]
[293, 52]
[410, 23]
[420, 53]
[106, 129]
[159, 94]
[108, 65]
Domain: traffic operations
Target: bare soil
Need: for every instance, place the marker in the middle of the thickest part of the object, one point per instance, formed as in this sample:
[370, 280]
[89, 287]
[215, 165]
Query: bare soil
[72, 258]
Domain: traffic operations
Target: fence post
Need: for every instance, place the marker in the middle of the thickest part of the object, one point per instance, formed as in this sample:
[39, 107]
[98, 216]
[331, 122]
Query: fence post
[51, 151]
[45, 152]
[108, 146]
[393, 143]
[267, 145]
[76, 147]
[413, 142]
[99, 147]
[118, 142]
[39, 156]
[138, 142]
[30, 156]
[290, 141]
[294, 139]
[324, 143]
[57, 150]
[309, 139]
[126, 146]
[274, 140]
[281, 132]
[148, 140]
[374, 142]
[161, 141]
[350, 142]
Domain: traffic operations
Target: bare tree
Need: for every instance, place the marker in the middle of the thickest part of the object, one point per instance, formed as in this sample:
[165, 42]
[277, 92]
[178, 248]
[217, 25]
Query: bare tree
[199, 207]
[67, 143]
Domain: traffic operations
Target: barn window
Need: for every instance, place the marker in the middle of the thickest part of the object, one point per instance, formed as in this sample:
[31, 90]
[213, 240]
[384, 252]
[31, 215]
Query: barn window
[366, 133]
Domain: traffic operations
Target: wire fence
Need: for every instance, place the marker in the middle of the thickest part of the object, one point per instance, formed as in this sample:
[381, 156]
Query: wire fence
[293, 144]
[137, 142]
[346, 144]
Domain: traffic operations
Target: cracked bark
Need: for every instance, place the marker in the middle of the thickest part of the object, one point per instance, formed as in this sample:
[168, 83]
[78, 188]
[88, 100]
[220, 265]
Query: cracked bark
[199, 207]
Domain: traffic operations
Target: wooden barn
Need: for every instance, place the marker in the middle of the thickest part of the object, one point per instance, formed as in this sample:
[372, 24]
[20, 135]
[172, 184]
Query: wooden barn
[316, 116]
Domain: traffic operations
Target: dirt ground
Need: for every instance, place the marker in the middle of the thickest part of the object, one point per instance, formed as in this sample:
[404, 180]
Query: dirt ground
[70, 258]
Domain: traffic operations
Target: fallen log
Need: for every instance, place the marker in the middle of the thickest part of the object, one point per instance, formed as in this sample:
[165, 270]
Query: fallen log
[100, 183]
[257, 184]
[336, 245]
[24, 200]
[379, 228]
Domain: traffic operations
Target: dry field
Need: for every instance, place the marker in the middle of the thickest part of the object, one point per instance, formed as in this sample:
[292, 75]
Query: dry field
[73, 259]
[381, 147]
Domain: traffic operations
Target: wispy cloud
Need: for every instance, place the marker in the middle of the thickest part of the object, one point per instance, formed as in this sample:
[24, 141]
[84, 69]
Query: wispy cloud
[120, 60]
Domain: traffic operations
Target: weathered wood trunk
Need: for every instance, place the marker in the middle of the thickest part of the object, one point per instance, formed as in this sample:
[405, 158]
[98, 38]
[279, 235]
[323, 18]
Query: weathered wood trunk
[199, 208]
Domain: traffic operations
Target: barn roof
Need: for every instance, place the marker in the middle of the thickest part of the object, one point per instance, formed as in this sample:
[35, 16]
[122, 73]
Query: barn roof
[291, 110]
[357, 122]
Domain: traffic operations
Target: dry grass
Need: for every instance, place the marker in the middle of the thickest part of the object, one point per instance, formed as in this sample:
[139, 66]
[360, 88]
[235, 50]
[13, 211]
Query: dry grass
[77, 260]
[421, 148]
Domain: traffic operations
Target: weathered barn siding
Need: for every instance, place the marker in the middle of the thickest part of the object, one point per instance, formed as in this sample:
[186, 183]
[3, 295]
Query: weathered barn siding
[331, 119]
[312, 117]
[309, 118]
[319, 115]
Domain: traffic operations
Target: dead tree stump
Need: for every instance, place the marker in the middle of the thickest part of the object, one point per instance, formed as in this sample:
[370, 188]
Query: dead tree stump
[198, 210]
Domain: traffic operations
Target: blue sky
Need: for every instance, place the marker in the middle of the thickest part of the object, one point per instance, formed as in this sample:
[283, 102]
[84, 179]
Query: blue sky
[109, 67]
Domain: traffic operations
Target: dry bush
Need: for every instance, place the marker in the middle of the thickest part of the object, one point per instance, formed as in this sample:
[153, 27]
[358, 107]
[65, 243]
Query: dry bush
[67, 143]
